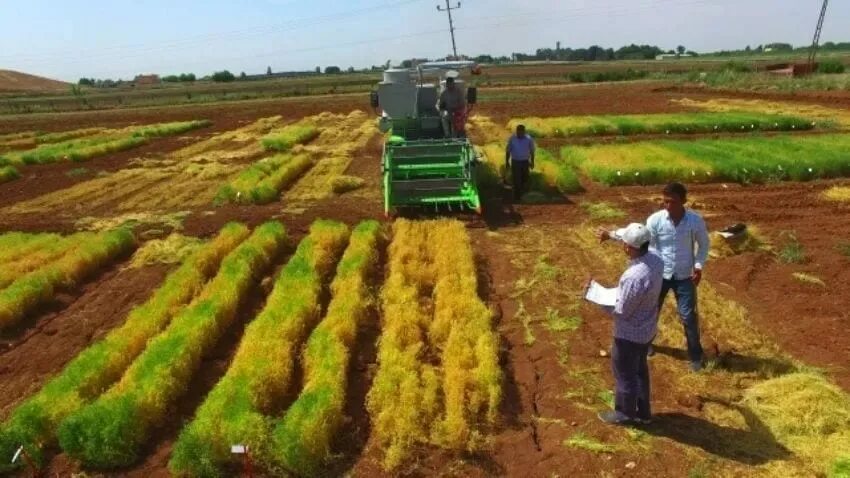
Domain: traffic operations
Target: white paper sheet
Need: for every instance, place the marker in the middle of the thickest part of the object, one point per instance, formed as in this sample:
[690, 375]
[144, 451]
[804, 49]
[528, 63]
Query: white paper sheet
[601, 295]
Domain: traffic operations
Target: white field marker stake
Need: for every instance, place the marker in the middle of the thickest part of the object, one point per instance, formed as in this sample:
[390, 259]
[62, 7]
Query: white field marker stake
[247, 466]
[20, 452]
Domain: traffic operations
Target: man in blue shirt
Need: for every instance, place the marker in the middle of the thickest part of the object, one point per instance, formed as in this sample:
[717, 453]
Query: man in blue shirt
[519, 159]
[635, 314]
[680, 237]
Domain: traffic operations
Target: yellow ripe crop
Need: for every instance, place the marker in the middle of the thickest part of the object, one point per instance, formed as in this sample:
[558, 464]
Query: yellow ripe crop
[431, 310]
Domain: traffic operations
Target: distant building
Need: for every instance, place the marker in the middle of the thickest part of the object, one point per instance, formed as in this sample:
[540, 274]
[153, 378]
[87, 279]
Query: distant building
[145, 80]
[672, 56]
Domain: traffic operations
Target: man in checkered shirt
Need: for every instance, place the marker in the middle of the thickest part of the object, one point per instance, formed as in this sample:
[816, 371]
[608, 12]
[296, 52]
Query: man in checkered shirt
[635, 315]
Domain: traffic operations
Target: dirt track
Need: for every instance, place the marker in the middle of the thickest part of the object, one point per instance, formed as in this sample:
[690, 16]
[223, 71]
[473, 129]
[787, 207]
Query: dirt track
[808, 322]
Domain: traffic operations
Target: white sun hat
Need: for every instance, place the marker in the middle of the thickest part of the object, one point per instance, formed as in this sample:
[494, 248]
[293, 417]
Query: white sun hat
[635, 235]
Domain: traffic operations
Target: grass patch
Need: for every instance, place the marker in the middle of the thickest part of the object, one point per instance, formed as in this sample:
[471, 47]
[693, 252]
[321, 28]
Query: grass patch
[844, 249]
[805, 413]
[808, 279]
[262, 182]
[286, 138]
[750, 241]
[602, 211]
[675, 123]
[585, 442]
[559, 323]
[525, 319]
[837, 193]
[8, 173]
[342, 184]
[607, 397]
[792, 251]
[77, 172]
[171, 250]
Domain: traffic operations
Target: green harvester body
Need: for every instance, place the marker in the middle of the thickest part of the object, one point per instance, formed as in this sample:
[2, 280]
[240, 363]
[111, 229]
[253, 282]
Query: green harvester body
[421, 166]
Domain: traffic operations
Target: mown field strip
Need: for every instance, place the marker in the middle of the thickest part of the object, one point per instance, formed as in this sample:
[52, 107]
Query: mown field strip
[110, 431]
[342, 137]
[744, 160]
[674, 123]
[236, 410]
[188, 177]
[438, 380]
[80, 149]
[303, 439]
[33, 423]
[39, 286]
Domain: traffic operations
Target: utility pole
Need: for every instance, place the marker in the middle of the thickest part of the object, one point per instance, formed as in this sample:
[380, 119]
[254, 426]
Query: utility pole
[816, 41]
[449, 9]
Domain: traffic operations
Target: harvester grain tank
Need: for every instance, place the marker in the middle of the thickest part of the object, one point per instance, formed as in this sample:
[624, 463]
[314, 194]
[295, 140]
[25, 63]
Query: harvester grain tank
[427, 160]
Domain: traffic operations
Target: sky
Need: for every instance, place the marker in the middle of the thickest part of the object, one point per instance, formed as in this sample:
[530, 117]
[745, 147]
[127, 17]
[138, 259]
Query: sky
[122, 38]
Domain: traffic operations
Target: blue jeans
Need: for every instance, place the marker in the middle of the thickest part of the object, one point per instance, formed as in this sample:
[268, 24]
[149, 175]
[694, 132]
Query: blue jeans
[686, 304]
[631, 374]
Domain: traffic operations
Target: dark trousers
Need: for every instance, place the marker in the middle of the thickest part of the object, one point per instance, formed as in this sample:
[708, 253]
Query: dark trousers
[631, 374]
[686, 304]
[519, 173]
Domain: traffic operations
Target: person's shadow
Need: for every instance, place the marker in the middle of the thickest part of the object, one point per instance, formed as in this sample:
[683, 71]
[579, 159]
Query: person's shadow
[754, 446]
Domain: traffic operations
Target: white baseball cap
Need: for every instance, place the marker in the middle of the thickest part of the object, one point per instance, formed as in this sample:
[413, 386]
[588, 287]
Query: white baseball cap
[635, 235]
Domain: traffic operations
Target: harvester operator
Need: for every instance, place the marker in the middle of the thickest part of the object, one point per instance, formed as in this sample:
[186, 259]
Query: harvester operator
[453, 109]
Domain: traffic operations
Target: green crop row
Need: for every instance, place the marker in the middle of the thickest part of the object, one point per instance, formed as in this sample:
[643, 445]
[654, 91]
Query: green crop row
[110, 431]
[303, 439]
[675, 123]
[81, 149]
[33, 424]
[744, 160]
[550, 172]
[39, 286]
[261, 371]
[262, 182]
[29, 259]
[8, 173]
[286, 138]
[14, 245]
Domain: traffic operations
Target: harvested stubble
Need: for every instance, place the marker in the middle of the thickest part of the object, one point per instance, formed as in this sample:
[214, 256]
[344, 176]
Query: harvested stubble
[38, 286]
[95, 369]
[413, 401]
[262, 182]
[286, 138]
[676, 123]
[261, 371]
[303, 438]
[837, 194]
[110, 431]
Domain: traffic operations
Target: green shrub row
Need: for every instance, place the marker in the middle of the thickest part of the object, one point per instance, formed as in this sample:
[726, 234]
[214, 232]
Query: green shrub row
[39, 286]
[110, 431]
[235, 411]
[33, 423]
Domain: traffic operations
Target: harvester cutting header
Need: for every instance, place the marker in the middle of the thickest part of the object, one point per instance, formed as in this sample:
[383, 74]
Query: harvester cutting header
[427, 159]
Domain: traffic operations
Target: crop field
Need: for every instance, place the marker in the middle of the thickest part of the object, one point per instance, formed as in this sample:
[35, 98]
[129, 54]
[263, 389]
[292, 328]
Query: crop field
[207, 289]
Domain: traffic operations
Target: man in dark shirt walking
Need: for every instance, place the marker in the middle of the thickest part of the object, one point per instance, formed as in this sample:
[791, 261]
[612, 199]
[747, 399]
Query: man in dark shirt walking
[519, 159]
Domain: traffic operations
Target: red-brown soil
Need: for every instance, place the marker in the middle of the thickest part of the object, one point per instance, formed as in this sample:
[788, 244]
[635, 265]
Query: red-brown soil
[807, 322]
[17, 82]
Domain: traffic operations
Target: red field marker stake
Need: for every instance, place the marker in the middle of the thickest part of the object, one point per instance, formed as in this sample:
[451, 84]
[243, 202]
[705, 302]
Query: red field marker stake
[247, 465]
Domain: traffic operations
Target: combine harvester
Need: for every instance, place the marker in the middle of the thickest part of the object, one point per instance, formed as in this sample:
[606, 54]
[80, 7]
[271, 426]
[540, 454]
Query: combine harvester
[424, 165]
